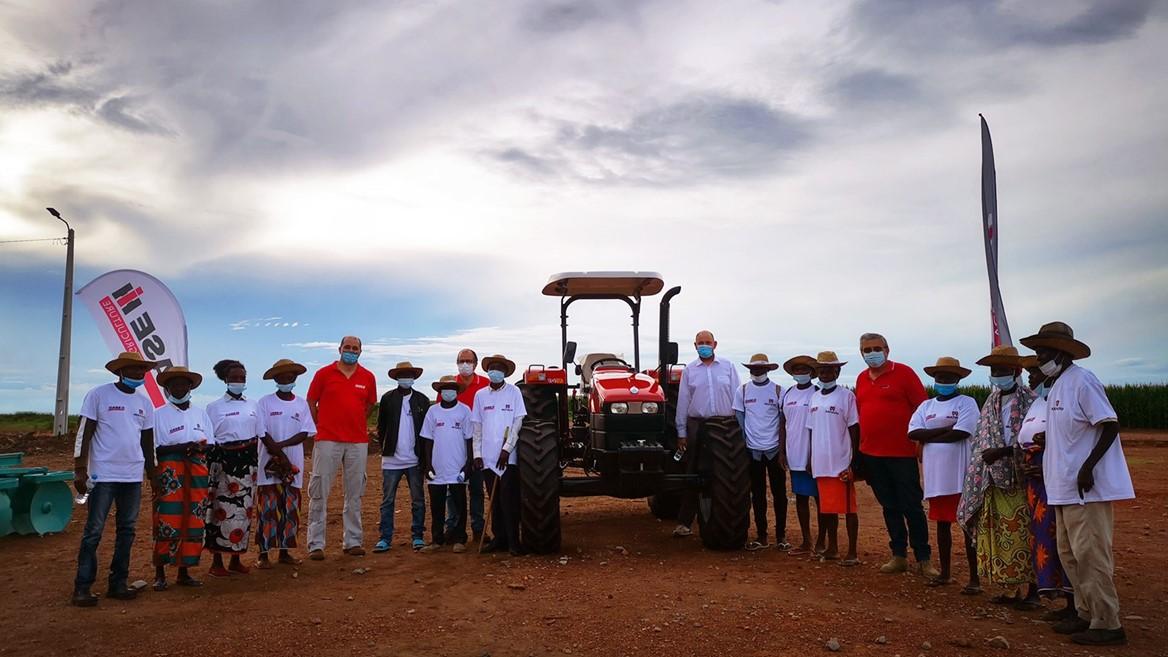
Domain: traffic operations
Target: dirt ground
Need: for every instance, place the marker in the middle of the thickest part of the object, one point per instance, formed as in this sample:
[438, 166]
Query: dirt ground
[622, 586]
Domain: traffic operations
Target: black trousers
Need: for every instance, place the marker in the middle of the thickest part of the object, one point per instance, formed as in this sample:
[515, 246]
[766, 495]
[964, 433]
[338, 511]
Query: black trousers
[504, 506]
[441, 532]
[762, 471]
[896, 482]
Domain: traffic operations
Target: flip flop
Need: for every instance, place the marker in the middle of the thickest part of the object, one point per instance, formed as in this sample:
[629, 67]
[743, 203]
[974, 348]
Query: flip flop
[754, 546]
[937, 581]
[850, 563]
[971, 590]
[160, 585]
[783, 547]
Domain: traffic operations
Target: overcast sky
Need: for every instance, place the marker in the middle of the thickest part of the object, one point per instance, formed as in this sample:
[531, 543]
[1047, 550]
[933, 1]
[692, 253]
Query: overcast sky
[412, 172]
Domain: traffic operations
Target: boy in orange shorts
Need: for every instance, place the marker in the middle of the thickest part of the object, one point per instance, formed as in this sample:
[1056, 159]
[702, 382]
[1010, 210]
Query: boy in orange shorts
[834, 424]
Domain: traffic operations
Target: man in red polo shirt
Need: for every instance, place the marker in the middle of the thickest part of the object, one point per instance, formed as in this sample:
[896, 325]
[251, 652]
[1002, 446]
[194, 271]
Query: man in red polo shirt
[887, 394]
[469, 383]
[340, 397]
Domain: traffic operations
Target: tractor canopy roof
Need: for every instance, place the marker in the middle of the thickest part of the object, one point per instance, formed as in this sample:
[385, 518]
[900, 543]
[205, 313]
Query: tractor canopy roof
[604, 283]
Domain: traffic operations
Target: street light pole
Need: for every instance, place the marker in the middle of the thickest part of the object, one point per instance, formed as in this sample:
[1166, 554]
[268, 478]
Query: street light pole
[61, 412]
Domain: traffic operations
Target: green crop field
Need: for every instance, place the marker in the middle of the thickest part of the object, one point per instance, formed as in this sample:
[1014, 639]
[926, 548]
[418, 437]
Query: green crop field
[1141, 406]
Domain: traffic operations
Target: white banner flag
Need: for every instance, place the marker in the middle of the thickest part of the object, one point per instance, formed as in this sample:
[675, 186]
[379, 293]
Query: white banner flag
[999, 328]
[136, 312]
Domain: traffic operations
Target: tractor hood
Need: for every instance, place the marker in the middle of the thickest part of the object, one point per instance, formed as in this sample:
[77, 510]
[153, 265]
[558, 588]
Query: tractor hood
[618, 385]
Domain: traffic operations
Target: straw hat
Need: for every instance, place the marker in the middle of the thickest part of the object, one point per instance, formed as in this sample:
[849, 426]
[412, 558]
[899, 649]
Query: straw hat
[445, 383]
[829, 359]
[1004, 355]
[282, 366]
[1057, 335]
[499, 359]
[179, 372]
[128, 359]
[948, 365]
[405, 369]
[1029, 362]
[761, 360]
[799, 360]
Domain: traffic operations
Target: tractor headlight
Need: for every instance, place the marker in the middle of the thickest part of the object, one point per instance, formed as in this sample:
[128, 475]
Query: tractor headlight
[649, 407]
[618, 408]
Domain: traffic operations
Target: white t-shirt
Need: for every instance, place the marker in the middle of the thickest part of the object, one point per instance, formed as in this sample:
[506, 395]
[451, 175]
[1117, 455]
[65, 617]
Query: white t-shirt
[1034, 424]
[174, 426]
[404, 456]
[115, 453]
[1076, 406]
[945, 463]
[284, 419]
[449, 428]
[760, 404]
[828, 418]
[796, 403]
[495, 410]
[235, 419]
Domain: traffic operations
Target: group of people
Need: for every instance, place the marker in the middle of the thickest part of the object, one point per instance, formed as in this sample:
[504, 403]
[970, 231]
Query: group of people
[1030, 476]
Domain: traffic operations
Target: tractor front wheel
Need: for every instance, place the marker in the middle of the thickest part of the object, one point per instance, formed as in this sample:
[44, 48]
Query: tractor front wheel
[724, 498]
[539, 486]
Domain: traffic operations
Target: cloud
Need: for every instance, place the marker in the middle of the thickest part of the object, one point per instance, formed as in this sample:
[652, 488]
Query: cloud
[709, 135]
[875, 86]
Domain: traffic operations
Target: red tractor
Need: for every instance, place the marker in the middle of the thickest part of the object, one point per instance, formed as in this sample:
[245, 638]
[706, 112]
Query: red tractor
[613, 432]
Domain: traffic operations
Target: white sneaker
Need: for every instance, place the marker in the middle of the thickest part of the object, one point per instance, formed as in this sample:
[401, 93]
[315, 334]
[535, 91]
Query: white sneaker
[458, 548]
[682, 531]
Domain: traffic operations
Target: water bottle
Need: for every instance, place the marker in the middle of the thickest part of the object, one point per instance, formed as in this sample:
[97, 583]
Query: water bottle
[82, 498]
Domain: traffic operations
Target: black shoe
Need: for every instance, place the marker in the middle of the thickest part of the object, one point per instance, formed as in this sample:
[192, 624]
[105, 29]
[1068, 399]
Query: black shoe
[121, 593]
[83, 598]
[493, 546]
[1072, 625]
[1116, 637]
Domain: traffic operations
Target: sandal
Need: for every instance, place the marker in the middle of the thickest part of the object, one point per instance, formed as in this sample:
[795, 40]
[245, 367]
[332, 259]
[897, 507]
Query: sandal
[940, 581]
[783, 547]
[160, 585]
[970, 589]
[754, 546]
[850, 563]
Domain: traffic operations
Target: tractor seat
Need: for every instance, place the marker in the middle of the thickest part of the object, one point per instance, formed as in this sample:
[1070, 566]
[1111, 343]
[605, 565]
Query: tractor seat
[590, 362]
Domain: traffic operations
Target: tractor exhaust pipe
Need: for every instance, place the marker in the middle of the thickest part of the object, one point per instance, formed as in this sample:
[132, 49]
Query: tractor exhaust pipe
[666, 351]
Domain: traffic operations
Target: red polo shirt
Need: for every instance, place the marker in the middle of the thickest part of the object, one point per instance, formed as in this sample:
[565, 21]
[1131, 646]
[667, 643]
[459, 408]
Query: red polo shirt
[467, 395]
[343, 403]
[886, 405]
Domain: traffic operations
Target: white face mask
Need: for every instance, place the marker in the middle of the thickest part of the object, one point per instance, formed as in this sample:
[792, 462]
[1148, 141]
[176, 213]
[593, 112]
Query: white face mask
[827, 385]
[1050, 368]
[465, 369]
[760, 378]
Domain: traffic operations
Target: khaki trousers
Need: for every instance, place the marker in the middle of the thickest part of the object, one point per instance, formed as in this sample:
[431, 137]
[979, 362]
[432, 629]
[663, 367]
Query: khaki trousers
[327, 457]
[1085, 533]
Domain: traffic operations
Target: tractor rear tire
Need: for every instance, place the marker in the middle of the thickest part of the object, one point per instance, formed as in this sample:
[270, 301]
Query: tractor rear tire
[539, 486]
[724, 498]
[665, 506]
[540, 401]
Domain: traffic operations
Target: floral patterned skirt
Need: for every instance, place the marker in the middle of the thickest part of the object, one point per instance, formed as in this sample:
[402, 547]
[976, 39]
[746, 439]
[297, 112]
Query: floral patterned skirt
[179, 509]
[1003, 538]
[1048, 569]
[232, 469]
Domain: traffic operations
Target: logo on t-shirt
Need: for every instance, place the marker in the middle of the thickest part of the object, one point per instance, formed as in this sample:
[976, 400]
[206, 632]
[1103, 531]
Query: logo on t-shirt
[179, 428]
[488, 408]
[275, 413]
[1057, 406]
[115, 409]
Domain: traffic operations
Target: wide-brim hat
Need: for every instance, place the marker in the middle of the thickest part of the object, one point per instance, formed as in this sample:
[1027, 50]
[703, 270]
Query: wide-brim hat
[828, 359]
[1003, 355]
[282, 366]
[799, 360]
[405, 369]
[129, 359]
[1060, 336]
[179, 372]
[761, 360]
[948, 365]
[499, 359]
[445, 383]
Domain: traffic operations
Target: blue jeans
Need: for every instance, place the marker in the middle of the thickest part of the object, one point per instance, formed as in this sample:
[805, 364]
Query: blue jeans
[127, 497]
[475, 495]
[389, 481]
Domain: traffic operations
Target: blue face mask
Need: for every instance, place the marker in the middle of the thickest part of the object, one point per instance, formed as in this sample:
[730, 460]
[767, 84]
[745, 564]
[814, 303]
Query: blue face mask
[178, 400]
[801, 379]
[405, 382]
[1002, 382]
[496, 376]
[132, 383]
[349, 357]
[945, 389]
[1040, 390]
[875, 358]
[236, 388]
[827, 385]
[705, 351]
[449, 395]
[285, 387]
